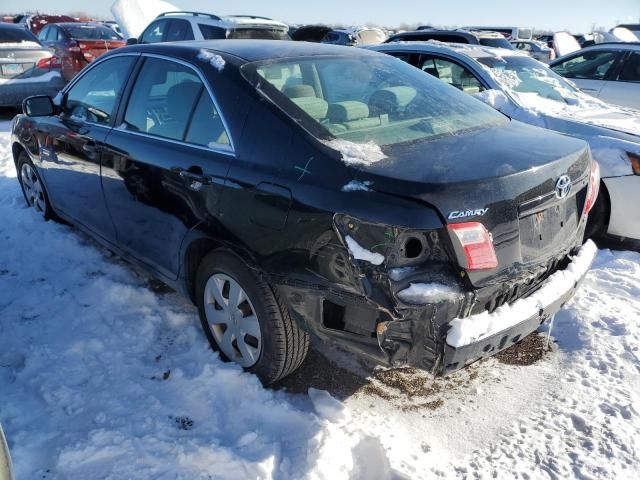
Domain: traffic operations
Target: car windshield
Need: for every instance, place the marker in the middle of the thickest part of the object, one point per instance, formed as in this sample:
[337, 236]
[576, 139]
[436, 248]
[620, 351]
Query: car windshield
[258, 34]
[524, 75]
[14, 35]
[496, 42]
[368, 99]
[92, 32]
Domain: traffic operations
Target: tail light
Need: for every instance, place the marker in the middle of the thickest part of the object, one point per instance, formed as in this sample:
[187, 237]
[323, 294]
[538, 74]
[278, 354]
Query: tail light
[593, 188]
[635, 162]
[473, 245]
[49, 62]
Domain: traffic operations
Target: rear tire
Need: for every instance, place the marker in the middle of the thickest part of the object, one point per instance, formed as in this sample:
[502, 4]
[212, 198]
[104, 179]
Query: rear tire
[246, 320]
[33, 189]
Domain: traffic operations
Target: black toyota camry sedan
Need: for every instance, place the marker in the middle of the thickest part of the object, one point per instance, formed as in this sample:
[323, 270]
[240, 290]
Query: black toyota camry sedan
[294, 189]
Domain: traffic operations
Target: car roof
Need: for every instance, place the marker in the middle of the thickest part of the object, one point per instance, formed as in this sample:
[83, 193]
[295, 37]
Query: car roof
[249, 50]
[616, 45]
[472, 51]
[225, 20]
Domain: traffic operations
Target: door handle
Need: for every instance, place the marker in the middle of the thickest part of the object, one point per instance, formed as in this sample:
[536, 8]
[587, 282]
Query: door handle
[197, 179]
[89, 147]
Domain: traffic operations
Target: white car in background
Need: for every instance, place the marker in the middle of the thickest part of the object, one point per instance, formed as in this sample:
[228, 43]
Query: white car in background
[527, 90]
[6, 471]
[608, 71]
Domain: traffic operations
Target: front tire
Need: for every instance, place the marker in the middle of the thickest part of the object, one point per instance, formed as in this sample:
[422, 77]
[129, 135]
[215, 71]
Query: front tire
[33, 189]
[245, 320]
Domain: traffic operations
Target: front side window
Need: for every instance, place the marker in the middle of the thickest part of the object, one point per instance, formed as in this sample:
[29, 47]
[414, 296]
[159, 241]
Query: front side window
[452, 73]
[163, 98]
[593, 65]
[631, 69]
[154, 32]
[95, 96]
[179, 30]
[370, 99]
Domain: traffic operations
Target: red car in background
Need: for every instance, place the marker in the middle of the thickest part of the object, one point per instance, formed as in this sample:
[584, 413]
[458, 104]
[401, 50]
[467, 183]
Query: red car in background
[35, 23]
[78, 44]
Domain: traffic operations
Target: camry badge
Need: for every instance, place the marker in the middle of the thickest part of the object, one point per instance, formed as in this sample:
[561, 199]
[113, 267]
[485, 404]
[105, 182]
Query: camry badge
[563, 186]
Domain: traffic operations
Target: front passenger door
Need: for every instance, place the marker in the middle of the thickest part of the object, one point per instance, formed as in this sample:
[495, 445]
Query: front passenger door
[71, 148]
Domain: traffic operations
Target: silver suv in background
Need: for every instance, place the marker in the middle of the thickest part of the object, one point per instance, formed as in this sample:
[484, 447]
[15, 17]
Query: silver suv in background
[608, 71]
[181, 26]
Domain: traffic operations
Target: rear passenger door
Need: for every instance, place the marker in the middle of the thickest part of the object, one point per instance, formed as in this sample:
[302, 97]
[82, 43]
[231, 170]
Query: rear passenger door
[164, 166]
[624, 90]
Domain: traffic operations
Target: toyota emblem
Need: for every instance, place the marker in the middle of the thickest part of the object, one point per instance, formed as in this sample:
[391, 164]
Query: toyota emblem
[563, 186]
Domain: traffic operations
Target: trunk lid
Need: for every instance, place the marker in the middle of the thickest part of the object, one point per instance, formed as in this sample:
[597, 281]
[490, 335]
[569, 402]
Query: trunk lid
[92, 49]
[20, 63]
[505, 178]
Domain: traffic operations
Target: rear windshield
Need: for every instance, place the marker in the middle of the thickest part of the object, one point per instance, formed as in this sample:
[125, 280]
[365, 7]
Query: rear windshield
[496, 42]
[92, 32]
[367, 99]
[258, 34]
[17, 35]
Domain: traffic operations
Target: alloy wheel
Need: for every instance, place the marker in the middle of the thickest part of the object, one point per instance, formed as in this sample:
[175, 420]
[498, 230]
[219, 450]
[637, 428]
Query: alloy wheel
[232, 320]
[32, 187]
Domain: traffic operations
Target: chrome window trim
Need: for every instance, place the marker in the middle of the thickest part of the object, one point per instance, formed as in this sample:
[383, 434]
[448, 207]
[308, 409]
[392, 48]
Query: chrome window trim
[221, 148]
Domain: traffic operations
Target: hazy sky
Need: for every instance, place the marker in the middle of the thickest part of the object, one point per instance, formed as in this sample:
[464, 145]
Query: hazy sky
[577, 16]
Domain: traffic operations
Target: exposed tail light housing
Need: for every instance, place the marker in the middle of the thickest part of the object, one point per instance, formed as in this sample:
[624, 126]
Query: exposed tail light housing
[594, 187]
[635, 162]
[473, 245]
[49, 62]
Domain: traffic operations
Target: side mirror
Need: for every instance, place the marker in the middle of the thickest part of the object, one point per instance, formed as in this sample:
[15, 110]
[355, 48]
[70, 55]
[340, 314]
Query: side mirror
[38, 106]
[132, 41]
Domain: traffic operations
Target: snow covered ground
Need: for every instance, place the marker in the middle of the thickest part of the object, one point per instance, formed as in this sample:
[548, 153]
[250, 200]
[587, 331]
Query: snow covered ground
[105, 375]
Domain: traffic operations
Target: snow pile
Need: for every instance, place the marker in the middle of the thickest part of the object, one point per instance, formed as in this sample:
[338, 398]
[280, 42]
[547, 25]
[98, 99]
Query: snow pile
[326, 406]
[133, 16]
[564, 43]
[356, 186]
[424, 293]
[215, 60]
[360, 253]
[465, 331]
[357, 153]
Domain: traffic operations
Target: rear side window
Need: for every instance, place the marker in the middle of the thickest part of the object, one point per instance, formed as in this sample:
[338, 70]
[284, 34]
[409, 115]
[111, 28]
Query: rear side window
[206, 127]
[212, 33]
[592, 65]
[179, 30]
[94, 97]
[452, 73]
[258, 34]
[154, 32]
[163, 98]
[631, 69]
